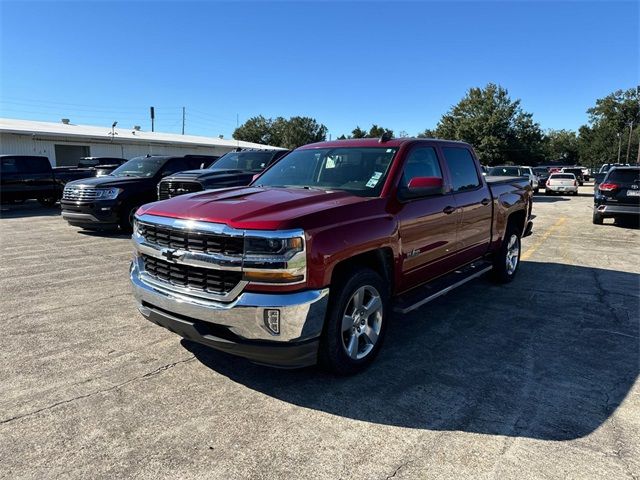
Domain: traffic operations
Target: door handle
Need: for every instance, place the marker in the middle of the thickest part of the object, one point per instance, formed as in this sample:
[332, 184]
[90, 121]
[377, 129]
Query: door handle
[485, 201]
[449, 210]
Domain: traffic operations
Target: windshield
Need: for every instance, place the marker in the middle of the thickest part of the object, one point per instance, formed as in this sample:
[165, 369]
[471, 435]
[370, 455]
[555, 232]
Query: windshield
[541, 171]
[360, 171]
[255, 161]
[505, 172]
[140, 167]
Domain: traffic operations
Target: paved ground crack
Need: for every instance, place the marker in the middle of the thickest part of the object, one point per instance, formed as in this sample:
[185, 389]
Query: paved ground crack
[97, 392]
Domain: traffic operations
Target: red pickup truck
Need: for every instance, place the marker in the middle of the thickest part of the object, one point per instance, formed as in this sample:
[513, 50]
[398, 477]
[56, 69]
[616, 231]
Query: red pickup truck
[308, 263]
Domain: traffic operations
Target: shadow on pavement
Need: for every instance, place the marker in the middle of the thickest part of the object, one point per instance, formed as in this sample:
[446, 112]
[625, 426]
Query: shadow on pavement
[549, 199]
[549, 356]
[28, 209]
[104, 233]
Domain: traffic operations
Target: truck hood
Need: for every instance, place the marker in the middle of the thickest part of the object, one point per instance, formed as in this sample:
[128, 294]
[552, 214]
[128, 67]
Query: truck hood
[253, 207]
[109, 181]
[210, 174]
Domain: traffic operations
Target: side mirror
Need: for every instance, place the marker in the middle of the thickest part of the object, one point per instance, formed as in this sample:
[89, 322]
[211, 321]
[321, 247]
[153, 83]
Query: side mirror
[423, 187]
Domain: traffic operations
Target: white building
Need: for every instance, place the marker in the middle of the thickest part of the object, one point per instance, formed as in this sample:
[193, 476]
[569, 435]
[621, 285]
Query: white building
[64, 143]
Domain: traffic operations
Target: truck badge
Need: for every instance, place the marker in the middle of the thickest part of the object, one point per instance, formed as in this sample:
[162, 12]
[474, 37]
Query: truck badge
[170, 255]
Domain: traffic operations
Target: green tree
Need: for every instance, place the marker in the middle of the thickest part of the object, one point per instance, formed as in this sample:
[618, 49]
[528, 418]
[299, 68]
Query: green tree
[497, 126]
[561, 145]
[608, 131]
[374, 132]
[281, 132]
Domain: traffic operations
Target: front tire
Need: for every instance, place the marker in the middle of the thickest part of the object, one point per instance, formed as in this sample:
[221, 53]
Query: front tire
[126, 221]
[355, 323]
[507, 260]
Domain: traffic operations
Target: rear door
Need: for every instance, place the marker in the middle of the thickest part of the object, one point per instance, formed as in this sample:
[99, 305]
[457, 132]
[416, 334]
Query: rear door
[427, 226]
[473, 200]
[40, 181]
[12, 173]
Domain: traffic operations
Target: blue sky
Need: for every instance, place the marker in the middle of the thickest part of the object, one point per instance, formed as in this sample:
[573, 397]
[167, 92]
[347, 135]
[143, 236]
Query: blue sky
[400, 65]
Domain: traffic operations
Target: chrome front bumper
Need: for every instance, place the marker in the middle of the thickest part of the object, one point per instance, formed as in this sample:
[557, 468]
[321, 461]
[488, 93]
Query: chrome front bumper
[301, 313]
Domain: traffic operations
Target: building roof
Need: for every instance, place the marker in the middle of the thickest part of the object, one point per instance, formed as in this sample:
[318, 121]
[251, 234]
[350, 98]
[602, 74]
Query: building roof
[122, 135]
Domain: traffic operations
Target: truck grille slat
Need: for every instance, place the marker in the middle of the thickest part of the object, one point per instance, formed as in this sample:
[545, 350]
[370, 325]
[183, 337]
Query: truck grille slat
[169, 189]
[204, 279]
[191, 241]
[79, 193]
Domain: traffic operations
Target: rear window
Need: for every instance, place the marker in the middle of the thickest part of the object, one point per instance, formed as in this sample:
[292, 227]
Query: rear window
[563, 176]
[624, 176]
[505, 172]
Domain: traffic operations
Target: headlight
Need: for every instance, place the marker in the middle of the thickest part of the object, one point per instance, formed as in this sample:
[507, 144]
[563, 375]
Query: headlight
[284, 247]
[107, 193]
[274, 259]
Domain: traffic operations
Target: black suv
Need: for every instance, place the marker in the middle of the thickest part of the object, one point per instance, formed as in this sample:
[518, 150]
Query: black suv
[233, 169]
[618, 196]
[109, 202]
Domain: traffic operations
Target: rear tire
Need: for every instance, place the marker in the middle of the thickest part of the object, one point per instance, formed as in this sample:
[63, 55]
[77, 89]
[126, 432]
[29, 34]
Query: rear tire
[507, 260]
[355, 323]
[597, 219]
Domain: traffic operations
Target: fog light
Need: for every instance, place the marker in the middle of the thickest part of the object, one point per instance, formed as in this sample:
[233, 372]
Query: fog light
[272, 321]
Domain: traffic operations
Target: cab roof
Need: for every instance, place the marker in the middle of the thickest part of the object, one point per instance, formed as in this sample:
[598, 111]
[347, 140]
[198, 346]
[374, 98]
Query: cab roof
[377, 142]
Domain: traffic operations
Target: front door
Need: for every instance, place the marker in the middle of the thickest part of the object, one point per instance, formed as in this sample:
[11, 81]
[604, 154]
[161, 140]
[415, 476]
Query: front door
[427, 226]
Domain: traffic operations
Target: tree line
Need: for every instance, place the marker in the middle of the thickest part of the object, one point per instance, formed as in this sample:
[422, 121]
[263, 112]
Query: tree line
[498, 128]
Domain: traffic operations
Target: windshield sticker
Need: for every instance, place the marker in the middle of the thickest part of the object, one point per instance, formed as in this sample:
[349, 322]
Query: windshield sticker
[373, 181]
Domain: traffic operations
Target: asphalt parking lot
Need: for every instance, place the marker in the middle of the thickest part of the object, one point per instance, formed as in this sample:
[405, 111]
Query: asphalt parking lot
[536, 379]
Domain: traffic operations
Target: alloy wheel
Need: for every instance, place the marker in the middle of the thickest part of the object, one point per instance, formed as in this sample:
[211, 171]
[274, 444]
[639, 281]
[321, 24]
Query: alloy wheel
[362, 322]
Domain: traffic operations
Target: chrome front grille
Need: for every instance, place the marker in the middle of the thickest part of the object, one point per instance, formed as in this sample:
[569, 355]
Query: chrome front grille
[192, 241]
[187, 276]
[79, 193]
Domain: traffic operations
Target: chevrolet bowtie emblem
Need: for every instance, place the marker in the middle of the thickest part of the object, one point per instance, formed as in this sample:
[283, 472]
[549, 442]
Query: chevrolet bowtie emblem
[171, 255]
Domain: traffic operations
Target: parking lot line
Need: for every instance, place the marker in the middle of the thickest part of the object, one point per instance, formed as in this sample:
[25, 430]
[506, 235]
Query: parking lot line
[532, 249]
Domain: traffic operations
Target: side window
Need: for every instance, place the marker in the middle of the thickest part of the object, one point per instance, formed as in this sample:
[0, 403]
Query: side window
[421, 162]
[174, 165]
[37, 165]
[462, 167]
[9, 165]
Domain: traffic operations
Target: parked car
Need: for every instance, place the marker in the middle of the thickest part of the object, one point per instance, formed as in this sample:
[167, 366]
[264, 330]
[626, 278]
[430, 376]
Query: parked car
[576, 171]
[542, 174]
[586, 173]
[561, 183]
[306, 264]
[618, 196]
[109, 202]
[518, 171]
[101, 165]
[233, 169]
[25, 177]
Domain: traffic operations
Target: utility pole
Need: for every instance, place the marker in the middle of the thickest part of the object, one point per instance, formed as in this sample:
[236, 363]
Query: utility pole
[183, 111]
[619, 145]
[629, 142]
[153, 117]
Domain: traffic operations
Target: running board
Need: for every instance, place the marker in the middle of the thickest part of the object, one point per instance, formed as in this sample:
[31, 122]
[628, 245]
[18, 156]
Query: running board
[426, 293]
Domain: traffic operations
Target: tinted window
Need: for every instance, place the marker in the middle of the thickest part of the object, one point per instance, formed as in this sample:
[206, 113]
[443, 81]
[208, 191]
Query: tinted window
[37, 164]
[624, 176]
[506, 172]
[562, 176]
[9, 165]
[256, 161]
[421, 162]
[462, 167]
[180, 165]
[140, 167]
